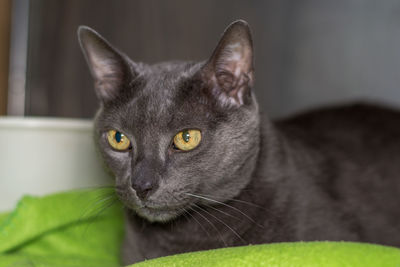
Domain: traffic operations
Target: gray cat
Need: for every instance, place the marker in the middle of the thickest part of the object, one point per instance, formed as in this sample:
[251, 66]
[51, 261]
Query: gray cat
[197, 169]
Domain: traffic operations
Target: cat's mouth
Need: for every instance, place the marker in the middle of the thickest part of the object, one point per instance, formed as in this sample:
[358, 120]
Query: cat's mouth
[155, 213]
[159, 214]
[160, 209]
[150, 210]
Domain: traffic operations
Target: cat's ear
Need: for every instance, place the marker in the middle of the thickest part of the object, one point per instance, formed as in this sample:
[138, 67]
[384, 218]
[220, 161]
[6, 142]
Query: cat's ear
[110, 69]
[230, 70]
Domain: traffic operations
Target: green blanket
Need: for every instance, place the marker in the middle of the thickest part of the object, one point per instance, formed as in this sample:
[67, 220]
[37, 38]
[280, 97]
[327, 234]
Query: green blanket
[66, 229]
[84, 228]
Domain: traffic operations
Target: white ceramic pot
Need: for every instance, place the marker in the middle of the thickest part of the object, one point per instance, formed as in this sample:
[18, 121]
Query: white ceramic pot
[41, 155]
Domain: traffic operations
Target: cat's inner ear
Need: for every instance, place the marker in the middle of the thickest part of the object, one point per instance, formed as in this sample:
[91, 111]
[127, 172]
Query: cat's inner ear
[230, 70]
[109, 68]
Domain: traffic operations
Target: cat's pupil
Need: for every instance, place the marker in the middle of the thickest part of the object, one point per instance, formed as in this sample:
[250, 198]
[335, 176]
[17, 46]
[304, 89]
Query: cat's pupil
[118, 136]
[186, 136]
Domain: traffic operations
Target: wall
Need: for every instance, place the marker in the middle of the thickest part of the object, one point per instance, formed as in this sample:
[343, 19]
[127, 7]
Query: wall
[308, 52]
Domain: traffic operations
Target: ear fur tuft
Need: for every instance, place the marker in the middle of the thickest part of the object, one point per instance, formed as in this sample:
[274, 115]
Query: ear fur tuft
[231, 66]
[110, 69]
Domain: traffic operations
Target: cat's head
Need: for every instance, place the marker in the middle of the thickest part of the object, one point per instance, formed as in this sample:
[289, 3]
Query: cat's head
[175, 132]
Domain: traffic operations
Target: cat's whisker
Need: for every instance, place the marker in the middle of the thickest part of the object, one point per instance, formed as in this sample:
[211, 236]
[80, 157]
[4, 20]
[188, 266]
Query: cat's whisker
[98, 205]
[172, 224]
[107, 204]
[103, 208]
[99, 187]
[212, 225]
[184, 212]
[97, 201]
[221, 221]
[102, 191]
[223, 212]
[226, 205]
[270, 213]
[237, 200]
[110, 186]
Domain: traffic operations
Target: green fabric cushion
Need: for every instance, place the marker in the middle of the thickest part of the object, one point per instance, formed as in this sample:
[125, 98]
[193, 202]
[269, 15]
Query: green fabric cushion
[65, 229]
[332, 254]
[80, 228]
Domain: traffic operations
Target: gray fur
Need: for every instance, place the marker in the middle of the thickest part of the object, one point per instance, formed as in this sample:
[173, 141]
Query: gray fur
[330, 174]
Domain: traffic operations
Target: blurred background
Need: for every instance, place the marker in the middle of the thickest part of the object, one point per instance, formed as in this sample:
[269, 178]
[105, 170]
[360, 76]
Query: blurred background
[308, 52]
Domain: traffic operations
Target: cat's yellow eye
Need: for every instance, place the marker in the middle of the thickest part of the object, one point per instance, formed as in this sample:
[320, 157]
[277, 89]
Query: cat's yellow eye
[118, 140]
[187, 139]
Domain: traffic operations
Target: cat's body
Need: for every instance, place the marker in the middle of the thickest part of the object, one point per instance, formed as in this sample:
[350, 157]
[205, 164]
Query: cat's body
[334, 174]
[329, 174]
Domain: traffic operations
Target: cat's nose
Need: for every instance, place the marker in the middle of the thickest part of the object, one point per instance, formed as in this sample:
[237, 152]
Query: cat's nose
[145, 178]
[143, 188]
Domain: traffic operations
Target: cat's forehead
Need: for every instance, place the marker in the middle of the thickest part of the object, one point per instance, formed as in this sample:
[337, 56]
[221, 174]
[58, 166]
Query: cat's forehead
[163, 82]
[165, 77]
[159, 98]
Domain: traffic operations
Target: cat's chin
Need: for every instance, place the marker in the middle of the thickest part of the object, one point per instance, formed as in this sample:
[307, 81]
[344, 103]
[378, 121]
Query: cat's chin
[158, 214]
[153, 212]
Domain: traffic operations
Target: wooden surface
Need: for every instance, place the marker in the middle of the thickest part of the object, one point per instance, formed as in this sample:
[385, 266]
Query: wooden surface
[5, 22]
